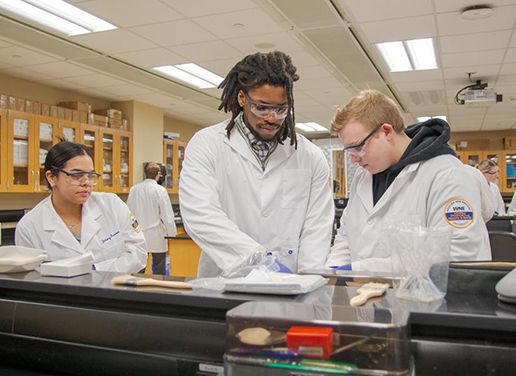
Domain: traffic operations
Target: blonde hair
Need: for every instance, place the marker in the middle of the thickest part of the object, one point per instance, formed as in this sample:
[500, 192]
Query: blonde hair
[486, 165]
[369, 108]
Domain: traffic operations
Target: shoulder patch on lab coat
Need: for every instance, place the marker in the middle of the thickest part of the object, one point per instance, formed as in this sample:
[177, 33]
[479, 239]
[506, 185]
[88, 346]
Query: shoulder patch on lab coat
[134, 223]
[459, 213]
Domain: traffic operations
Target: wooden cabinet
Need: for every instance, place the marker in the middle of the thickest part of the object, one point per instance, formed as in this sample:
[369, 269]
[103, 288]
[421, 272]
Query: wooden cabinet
[173, 157]
[46, 135]
[3, 150]
[25, 140]
[474, 157]
[339, 173]
[21, 164]
[508, 170]
[113, 150]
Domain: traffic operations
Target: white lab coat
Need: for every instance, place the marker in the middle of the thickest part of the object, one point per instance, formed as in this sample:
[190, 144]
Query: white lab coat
[497, 198]
[488, 205]
[108, 230]
[421, 191]
[150, 203]
[512, 206]
[231, 207]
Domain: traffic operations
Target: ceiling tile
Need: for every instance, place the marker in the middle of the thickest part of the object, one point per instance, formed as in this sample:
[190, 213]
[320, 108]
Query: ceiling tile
[465, 59]
[323, 94]
[61, 69]
[475, 42]
[453, 23]
[318, 83]
[207, 7]
[5, 66]
[128, 89]
[174, 33]
[114, 41]
[415, 86]
[96, 80]
[424, 75]
[375, 10]
[207, 51]
[4, 44]
[481, 71]
[220, 67]
[280, 41]
[26, 74]
[153, 97]
[506, 80]
[20, 57]
[126, 13]
[255, 22]
[152, 58]
[510, 57]
[62, 84]
[302, 58]
[458, 5]
[508, 69]
[399, 29]
[316, 71]
[100, 94]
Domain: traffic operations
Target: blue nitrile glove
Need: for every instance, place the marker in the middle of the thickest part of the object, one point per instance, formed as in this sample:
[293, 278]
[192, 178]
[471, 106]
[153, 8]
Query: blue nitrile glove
[283, 268]
[342, 267]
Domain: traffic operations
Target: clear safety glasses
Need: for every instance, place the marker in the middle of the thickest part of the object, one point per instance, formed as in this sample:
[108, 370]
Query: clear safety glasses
[264, 110]
[80, 177]
[358, 149]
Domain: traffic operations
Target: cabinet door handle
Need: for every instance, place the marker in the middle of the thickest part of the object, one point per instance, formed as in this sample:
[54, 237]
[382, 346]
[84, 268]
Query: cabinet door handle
[37, 181]
[32, 175]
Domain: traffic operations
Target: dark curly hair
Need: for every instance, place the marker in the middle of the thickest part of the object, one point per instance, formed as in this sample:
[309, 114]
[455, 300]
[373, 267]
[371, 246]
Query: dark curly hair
[273, 68]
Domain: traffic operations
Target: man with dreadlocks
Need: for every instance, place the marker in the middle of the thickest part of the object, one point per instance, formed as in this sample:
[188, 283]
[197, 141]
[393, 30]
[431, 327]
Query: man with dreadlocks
[250, 186]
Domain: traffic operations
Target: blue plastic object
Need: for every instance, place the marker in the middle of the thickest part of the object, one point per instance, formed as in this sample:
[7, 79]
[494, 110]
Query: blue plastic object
[342, 267]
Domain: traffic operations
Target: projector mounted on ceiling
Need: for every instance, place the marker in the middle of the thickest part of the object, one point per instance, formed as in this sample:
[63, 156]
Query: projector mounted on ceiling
[477, 95]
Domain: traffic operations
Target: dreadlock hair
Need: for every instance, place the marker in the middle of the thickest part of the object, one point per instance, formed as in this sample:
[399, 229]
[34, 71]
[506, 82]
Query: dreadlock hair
[273, 68]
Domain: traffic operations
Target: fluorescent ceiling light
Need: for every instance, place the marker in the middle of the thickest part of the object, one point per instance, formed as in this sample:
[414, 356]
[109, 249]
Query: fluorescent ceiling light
[425, 118]
[57, 15]
[317, 127]
[191, 74]
[421, 51]
[395, 56]
[416, 54]
[200, 72]
[304, 127]
[311, 127]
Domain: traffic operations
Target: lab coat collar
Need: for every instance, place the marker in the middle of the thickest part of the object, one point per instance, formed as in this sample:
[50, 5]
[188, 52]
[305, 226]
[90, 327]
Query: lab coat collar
[61, 234]
[365, 189]
[90, 213]
[239, 144]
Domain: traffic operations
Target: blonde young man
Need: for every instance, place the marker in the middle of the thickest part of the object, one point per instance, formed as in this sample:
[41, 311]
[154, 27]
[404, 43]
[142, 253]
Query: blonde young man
[404, 173]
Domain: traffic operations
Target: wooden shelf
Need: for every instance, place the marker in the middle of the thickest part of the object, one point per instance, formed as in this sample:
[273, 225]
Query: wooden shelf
[16, 137]
[20, 166]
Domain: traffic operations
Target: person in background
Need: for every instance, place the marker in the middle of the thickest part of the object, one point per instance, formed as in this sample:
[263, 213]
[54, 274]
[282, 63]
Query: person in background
[405, 174]
[490, 171]
[512, 207]
[73, 220]
[488, 206]
[250, 186]
[150, 202]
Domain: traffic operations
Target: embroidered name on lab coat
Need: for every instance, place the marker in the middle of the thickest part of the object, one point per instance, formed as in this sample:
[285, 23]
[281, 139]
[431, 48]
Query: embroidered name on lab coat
[111, 236]
[459, 213]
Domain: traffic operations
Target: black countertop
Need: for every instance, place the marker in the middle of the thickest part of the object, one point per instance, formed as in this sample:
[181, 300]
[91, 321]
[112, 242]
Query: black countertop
[81, 324]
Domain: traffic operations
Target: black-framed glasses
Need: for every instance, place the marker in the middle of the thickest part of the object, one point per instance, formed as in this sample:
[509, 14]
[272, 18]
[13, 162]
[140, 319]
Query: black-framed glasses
[79, 177]
[264, 110]
[357, 149]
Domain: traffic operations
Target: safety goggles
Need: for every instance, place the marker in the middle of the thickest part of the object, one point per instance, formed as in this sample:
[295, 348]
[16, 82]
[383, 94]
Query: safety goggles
[358, 149]
[492, 173]
[264, 110]
[79, 177]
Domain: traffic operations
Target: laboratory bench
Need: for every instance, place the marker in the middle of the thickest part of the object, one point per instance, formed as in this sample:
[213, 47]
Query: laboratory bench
[86, 326]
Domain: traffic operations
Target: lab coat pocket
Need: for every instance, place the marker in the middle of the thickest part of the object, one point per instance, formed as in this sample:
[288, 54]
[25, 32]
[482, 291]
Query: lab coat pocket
[296, 189]
[288, 255]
